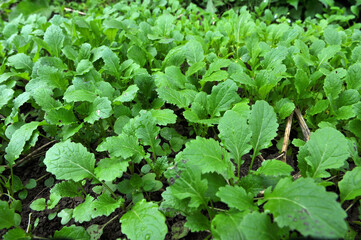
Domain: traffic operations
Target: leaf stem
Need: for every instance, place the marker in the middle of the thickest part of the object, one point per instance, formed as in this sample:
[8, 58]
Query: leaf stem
[253, 157]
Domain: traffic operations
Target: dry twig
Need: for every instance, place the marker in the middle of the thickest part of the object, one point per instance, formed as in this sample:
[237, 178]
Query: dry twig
[76, 11]
[287, 137]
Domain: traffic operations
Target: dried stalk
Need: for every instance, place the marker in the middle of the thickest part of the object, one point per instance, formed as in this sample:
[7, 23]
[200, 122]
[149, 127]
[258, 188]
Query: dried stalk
[76, 11]
[287, 136]
[305, 130]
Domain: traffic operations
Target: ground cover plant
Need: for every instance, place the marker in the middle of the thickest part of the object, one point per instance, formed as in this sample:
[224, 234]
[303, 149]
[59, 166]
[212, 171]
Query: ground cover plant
[155, 120]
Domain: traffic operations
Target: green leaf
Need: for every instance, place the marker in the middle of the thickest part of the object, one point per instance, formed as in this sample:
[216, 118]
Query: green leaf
[195, 68]
[18, 140]
[144, 221]
[301, 82]
[284, 107]
[137, 55]
[236, 197]
[84, 211]
[38, 205]
[235, 134]
[105, 205]
[147, 129]
[21, 61]
[128, 95]
[111, 62]
[215, 77]
[66, 215]
[101, 108]
[52, 76]
[259, 226]
[197, 222]
[207, 154]
[352, 77]
[7, 216]
[83, 67]
[70, 161]
[221, 98]
[332, 85]
[332, 36]
[79, 95]
[350, 185]
[54, 38]
[43, 97]
[6, 95]
[326, 149]
[190, 185]
[16, 234]
[164, 117]
[175, 97]
[319, 107]
[194, 52]
[327, 53]
[306, 207]
[227, 226]
[123, 146]
[108, 169]
[60, 117]
[72, 232]
[263, 124]
[274, 168]
[66, 189]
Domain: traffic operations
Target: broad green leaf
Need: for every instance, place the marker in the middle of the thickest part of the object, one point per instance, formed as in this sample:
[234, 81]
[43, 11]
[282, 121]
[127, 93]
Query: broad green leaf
[7, 216]
[236, 197]
[108, 169]
[332, 36]
[194, 52]
[105, 205]
[259, 226]
[21, 61]
[53, 77]
[70, 161]
[332, 85]
[301, 82]
[207, 154]
[173, 96]
[195, 68]
[215, 77]
[84, 211]
[137, 55]
[18, 140]
[38, 205]
[327, 53]
[79, 95]
[172, 204]
[66, 215]
[123, 146]
[144, 221]
[128, 95]
[83, 67]
[326, 149]
[54, 38]
[190, 185]
[350, 185]
[263, 124]
[111, 62]
[356, 54]
[284, 107]
[43, 97]
[306, 207]
[197, 222]
[16, 234]
[319, 107]
[221, 98]
[147, 129]
[274, 57]
[72, 232]
[235, 134]
[228, 226]
[164, 116]
[352, 78]
[6, 95]
[66, 189]
[274, 168]
[101, 108]
[60, 117]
